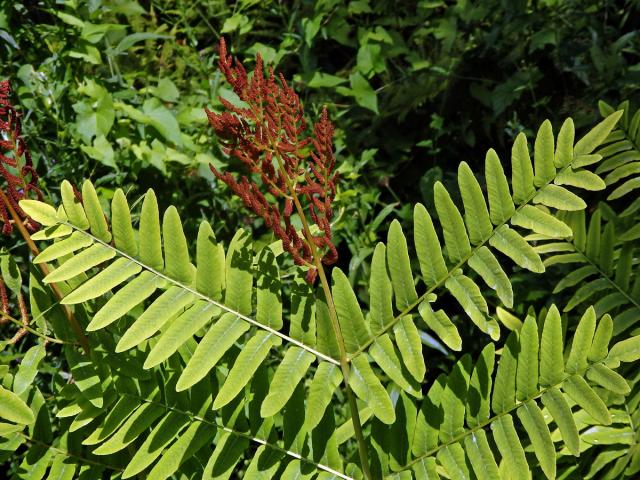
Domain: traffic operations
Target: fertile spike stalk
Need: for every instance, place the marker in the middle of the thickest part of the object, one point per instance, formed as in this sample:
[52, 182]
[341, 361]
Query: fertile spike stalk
[272, 129]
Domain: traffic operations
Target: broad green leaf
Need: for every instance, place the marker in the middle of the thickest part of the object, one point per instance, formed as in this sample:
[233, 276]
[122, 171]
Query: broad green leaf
[454, 399]
[487, 266]
[104, 281]
[508, 443]
[430, 417]
[41, 212]
[154, 317]
[481, 457]
[13, 409]
[560, 198]
[220, 338]
[50, 233]
[124, 300]
[94, 212]
[75, 241]
[380, 292]
[627, 187]
[428, 247]
[597, 134]
[80, 263]
[478, 399]
[123, 233]
[452, 458]
[73, 207]
[62, 468]
[410, 346]
[551, 349]
[543, 155]
[385, 355]
[455, 234]
[302, 320]
[131, 429]
[86, 377]
[150, 242]
[577, 361]
[538, 432]
[190, 441]
[425, 469]
[324, 383]
[239, 273]
[176, 252]
[562, 415]
[211, 267]
[265, 464]
[400, 267]
[352, 324]
[291, 370]
[367, 387]
[251, 357]
[500, 203]
[441, 325]
[475, 208]
[161, 435]
[521, 171]
[504, 387]
[541, 222]
[180, 330]
[269, 286]
[114, 419]
[580, 392]
[625, 351]
[510, 243]
[228, 452]
[527, 369]
[600, 345]
[28, 369]
[608, 379]
[467, 293]
[581, 179]
[564, 146]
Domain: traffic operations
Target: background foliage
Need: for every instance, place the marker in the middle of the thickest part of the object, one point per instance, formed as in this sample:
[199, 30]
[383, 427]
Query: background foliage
[114, 90]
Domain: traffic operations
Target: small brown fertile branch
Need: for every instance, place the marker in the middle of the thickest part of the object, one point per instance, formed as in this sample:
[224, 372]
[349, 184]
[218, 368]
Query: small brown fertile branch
[270, 136]
[16, 166]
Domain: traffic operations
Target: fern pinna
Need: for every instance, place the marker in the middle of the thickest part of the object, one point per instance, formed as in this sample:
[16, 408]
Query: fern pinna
[204, 363]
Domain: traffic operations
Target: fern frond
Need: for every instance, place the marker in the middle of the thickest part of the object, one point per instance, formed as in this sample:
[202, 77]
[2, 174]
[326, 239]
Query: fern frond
[533, 388]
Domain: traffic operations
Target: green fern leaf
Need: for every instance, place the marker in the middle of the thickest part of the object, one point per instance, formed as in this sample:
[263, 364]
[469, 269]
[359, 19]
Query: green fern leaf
[541, 222]
[487, 266]
[176, 252]
[527, 368]
[220, 338]
[74, 242]
[367, 387]
[509, 446]
[559, 409]
[97, 222]
[410, 346]
[564, 145]
[455, 234]
[132, 294]
[112, 276]
[250, 358]
[13, 409]
[560, 198]
[291, 370]
[481, 457]
[428, 247]
[123, 234]
[500, 203]
[324, 383]
[380, 293]
[475, 207]
[73, 207]
[551, 348]
[159, 312]
[581, 393]
[80, 263]
[400, 267]
[577, 361]
[544, 156]
[441, 325]
[538, 431]
[597, 134]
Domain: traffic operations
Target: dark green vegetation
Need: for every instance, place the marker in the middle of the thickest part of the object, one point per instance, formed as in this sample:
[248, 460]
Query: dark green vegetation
[114, 92]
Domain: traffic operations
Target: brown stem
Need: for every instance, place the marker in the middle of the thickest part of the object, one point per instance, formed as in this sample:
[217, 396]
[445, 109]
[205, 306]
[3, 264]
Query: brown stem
[82, 338]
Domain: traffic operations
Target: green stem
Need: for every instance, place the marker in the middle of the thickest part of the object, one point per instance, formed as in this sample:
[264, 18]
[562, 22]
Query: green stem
[344, 361]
